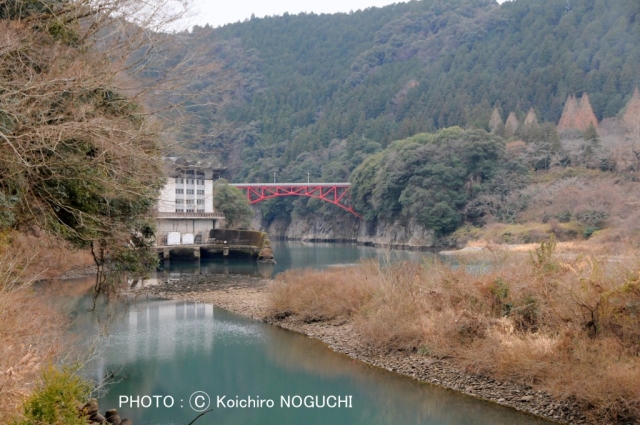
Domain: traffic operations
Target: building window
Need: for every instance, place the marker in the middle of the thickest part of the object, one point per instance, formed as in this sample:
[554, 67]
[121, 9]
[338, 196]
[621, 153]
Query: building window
[179, 210]
[180, 191]
[179, 201]
[200, 182]
[200, 210]
[189, 209]
[190, 172]
[200, 202]
[200, 192]
[181, 181]
[189, 191]
[200, 173]
[189, 201]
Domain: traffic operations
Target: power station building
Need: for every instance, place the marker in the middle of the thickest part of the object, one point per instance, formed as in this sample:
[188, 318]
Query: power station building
[185, 204]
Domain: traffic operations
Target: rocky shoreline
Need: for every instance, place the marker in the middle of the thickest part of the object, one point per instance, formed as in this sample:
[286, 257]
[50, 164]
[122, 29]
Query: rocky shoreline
[248, 296]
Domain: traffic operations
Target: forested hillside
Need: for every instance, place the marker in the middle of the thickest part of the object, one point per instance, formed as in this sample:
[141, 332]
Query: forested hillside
[319, 94]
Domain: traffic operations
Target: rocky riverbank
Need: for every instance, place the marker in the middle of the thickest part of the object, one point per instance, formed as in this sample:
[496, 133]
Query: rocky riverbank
[249, 296]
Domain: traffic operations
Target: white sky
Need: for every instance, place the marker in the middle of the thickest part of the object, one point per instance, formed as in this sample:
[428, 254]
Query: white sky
[220, 12]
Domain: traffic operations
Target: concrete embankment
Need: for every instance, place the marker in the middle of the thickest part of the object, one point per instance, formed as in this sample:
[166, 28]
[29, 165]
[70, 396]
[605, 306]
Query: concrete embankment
[249, 296]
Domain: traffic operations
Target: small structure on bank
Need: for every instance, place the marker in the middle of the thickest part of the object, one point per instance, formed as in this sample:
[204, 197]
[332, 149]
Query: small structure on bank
[185, 204]
[188, 223]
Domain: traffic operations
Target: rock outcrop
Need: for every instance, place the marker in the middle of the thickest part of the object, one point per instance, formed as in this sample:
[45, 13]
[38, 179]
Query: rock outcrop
[577, 114]
[401, 235]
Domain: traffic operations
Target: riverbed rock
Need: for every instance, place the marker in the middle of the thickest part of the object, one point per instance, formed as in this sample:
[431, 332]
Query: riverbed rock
[97, 418]
[113, 417]
[90, 407]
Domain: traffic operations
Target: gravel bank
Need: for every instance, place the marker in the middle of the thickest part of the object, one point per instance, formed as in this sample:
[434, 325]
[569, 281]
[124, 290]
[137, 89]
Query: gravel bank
[248, 296]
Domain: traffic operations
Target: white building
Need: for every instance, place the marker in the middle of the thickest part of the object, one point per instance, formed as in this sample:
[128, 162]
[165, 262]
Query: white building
[185, 204]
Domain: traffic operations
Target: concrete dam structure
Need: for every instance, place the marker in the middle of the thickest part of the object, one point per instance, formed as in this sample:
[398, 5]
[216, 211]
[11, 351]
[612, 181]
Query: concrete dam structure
[217, 243]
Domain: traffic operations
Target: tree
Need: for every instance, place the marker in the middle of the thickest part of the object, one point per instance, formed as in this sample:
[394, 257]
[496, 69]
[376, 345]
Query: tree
[79, 154]
[428, 178]
[233, 204]
[591, 145]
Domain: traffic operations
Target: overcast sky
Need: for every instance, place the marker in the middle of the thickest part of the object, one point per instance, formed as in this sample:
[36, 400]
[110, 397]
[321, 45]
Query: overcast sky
[220, 12]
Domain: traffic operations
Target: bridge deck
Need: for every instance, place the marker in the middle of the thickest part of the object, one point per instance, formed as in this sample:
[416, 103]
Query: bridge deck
[245, 185]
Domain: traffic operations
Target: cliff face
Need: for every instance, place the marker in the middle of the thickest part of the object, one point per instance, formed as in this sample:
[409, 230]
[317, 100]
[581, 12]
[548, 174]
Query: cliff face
[577, 114]
[411, 235]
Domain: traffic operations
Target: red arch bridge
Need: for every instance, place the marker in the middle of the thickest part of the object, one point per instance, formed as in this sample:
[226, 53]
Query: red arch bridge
[334, 193]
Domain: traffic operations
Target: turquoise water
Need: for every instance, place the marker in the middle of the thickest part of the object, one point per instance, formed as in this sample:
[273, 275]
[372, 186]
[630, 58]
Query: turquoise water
[172, 350]
[290, 254]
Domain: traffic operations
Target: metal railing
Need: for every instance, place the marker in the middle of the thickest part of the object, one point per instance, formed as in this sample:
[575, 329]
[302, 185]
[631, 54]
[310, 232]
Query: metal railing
[246, 185]
[190, 215]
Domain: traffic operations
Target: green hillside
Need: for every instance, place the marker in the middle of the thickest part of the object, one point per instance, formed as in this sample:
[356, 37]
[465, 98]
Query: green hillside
[319, 94]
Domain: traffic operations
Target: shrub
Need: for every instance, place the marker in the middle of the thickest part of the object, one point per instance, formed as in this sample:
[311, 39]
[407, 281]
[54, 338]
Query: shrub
[57, 399]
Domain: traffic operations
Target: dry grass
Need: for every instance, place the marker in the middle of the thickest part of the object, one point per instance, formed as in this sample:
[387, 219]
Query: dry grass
[592, 247]
[44, 257]
[570, 327]
[326, 299]
[31, 331]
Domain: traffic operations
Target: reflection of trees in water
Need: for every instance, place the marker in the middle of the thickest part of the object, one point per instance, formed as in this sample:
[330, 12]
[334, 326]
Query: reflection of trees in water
[249, 357]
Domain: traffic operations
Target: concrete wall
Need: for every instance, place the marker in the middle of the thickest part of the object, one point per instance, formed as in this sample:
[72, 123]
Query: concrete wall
[208, 196]
[189, 195]
[183, 225]
[197, 191]
[239, 237]
[167, 199]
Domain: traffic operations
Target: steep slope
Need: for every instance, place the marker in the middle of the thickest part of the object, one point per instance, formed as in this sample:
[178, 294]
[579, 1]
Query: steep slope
[388, 73]
[318, 94]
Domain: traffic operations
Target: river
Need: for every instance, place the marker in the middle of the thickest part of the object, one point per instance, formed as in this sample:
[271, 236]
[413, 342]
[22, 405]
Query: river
[171, 350]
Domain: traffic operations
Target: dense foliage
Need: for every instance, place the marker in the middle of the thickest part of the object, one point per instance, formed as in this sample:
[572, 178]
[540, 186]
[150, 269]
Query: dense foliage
[79, 159]
[428, 178]
[57, 398]
[233, 204]
[384, 74]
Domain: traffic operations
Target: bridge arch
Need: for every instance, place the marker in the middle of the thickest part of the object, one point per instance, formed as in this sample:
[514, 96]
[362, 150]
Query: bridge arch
[334, 193]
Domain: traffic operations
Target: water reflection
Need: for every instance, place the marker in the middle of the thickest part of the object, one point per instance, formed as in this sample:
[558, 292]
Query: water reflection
[289, 254]
[176, 348]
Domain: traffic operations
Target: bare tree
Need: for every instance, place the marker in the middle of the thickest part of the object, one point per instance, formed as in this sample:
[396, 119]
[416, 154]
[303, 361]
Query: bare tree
[80, 140]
